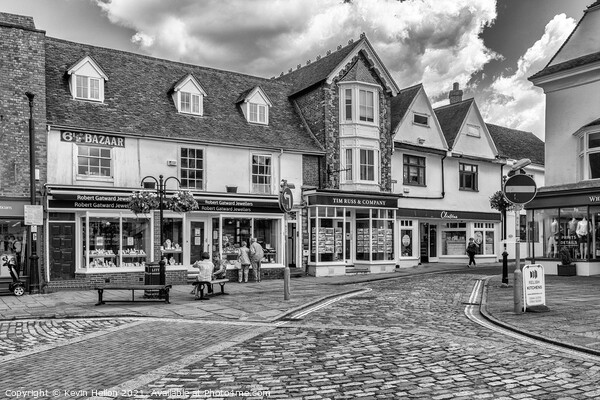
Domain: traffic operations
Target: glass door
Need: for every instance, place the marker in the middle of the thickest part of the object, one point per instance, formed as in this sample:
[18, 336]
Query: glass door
[428, 235]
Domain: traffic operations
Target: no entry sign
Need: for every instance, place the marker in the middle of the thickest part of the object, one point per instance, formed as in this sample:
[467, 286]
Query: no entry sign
[520, 189]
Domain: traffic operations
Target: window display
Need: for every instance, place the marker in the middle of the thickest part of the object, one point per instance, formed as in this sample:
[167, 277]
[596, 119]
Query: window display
[171, 249]
[235, 230]
[110, 242]
[454, 239]
[484, 237]
[13, 237]
[327, 234]
[375, 235]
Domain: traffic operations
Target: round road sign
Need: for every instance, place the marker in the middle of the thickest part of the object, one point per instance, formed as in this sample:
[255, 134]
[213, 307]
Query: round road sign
[520, 189]
[286, 200]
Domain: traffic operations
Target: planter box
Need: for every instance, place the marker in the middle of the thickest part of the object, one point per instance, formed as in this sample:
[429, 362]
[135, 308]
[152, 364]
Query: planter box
[566, 270]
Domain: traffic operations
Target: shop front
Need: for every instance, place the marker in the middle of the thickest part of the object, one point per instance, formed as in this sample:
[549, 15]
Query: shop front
[427, 236]
[13, 236]
[565, 219]
[93, 236]
[349, 230]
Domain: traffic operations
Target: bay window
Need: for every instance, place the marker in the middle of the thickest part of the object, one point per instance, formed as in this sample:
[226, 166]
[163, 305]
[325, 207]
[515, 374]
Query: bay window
[359, 104]
[589, 156]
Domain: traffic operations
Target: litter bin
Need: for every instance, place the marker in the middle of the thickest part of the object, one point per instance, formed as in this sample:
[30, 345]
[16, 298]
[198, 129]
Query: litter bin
[152, 277]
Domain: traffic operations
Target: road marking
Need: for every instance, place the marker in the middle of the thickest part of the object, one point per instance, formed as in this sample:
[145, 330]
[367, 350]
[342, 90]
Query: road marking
[317, 307]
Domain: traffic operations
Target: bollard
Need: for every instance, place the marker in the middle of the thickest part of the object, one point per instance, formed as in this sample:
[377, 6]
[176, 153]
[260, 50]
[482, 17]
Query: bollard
[286, 283]
[518, 292]
[505, 267]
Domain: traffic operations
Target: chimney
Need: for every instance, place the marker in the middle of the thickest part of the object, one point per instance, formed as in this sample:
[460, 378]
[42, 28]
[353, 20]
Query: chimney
[455, 94]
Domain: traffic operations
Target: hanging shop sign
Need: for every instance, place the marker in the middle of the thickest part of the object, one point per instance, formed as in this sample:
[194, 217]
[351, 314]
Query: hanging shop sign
[14, 208]
[92, 138]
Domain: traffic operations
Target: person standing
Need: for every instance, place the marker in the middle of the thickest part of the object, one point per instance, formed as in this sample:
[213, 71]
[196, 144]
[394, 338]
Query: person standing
[256, 256]
[471, 251]
[244, 259]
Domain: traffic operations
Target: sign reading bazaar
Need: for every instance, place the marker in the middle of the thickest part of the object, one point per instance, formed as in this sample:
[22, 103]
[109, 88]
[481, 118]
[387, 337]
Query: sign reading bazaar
[92, 138]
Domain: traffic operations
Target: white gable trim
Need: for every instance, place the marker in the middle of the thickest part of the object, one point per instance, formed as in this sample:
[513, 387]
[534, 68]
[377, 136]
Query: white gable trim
[190, 79]
[432, 117]
[86, 60]
[368, 49]
[485, 132]
[257, 91]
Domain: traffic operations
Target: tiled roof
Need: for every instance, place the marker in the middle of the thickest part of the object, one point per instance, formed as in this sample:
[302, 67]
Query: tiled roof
[138, 101]
[451, 118]
[576, 62]
[401, 102]
[515, 144]
[317, 71]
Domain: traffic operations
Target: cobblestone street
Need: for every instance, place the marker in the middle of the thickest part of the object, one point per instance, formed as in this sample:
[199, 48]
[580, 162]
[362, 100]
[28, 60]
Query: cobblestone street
[399, 338]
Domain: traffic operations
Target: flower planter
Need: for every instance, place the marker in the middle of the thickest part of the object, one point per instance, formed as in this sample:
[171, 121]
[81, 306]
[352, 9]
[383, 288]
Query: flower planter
[566, 270]
[231, 189]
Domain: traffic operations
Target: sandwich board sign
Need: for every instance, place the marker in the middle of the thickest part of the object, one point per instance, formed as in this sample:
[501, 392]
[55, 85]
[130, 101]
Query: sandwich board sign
[534, 286]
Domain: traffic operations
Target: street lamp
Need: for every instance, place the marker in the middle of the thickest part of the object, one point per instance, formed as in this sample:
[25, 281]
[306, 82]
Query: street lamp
[160, 185]
[33, 265]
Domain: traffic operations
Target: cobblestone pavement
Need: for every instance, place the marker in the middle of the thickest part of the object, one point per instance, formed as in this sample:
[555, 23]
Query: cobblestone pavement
[403, 338]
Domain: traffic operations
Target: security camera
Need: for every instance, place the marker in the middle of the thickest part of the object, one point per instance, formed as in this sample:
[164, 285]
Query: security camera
[522, 163]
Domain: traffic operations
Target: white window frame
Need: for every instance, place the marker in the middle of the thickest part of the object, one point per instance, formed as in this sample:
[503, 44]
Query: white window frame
[85, 76]
[350, 103]
[583, 152]
[351, 170]
[260, 115]
[195, 103]
[416, 115]
[374, 165]
[484, 228]
[202, 169]
[258, 187]
[89, 176]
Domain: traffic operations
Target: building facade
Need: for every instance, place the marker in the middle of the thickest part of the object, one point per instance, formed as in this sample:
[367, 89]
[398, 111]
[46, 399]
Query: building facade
[565, 213]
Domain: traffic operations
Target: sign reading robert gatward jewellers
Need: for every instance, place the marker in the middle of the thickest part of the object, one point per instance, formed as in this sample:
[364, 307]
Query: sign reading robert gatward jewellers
[92, 138]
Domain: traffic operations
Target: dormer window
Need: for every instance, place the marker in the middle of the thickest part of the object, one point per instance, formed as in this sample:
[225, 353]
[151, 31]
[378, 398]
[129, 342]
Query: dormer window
[255, 105]
[188, 96]
[86, 80]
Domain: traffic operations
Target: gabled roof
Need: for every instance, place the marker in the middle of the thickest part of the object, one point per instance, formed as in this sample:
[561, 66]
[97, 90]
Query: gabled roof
[515, 144]
[87, 59]
[247, 94]
[138, 101]
[401, 103]
[326, 68]
[451, 118]
[189, 77]
[585, 59]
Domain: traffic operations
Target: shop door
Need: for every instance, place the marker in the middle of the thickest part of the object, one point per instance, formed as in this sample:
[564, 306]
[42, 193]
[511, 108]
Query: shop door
[62, 262]
[197, 240]
[291, 245]
[428, 234]
[348, 243]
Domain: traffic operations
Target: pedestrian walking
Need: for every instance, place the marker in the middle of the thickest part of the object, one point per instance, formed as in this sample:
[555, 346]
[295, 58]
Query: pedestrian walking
[471, 251]
[256, 256]
[244, 260]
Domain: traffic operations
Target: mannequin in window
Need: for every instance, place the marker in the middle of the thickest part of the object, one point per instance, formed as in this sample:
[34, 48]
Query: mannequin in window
[552, 250]
[582, 237]
[572, 226]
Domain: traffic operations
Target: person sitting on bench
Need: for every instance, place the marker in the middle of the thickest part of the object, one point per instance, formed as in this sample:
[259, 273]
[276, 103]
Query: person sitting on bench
[205, 271]
[220, 271]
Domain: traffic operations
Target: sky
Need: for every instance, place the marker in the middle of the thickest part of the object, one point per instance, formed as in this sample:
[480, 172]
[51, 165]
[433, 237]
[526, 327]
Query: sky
[490, 47]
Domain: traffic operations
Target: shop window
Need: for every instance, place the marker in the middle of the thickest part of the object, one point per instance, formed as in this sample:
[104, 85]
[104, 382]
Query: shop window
[374, 235]
[94, 161]
[233, 233]
[261, 174]
[454, 239]
[468, 176]
[13, 239]
[172, 247]
[483, 236]
[327, 234]
[594, 237]
[406, 238]
[267, 235]
[110, 242]
[192, 168]
[414, 170]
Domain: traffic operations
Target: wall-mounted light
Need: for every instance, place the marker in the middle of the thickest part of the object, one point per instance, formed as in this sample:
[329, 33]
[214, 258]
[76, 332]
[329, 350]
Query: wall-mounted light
[421, 140]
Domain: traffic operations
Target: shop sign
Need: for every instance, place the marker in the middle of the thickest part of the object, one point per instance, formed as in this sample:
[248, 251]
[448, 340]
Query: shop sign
[12, 208]
[92, 138]
[93, 201]
[353, 201]
[237, 206]
[447, 215]
[534, 292]
[34, 215]
[405, 240]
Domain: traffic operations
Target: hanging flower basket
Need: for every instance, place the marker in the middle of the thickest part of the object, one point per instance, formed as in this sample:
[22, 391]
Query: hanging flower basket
[182, 201]
[143, 202]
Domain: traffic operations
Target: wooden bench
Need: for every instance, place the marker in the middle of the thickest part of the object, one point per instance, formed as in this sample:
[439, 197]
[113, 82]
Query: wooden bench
[163, 292]
[204, 285]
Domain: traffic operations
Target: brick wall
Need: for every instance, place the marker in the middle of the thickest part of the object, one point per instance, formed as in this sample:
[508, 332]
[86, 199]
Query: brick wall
[22, 69]
[311, 170]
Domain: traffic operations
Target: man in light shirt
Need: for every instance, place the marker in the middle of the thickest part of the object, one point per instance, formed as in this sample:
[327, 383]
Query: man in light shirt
[256, 256]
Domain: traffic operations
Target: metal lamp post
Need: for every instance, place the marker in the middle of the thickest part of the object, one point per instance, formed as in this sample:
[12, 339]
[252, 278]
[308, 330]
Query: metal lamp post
[161, 186]
[33, 265]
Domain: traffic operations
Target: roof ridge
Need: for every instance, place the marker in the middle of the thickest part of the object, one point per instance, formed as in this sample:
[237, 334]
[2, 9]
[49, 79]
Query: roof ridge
[411, 87]
[470, 99]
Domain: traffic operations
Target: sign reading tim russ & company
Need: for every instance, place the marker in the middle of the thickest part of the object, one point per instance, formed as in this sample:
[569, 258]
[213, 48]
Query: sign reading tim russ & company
[92, 138]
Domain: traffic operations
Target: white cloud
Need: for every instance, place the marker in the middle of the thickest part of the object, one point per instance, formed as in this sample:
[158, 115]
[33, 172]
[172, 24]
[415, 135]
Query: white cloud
[431, 41]
[512, 100]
